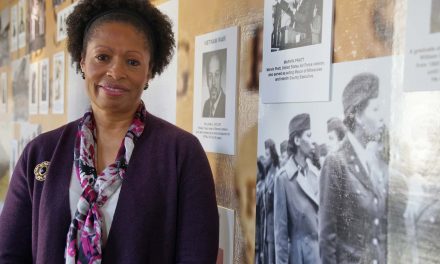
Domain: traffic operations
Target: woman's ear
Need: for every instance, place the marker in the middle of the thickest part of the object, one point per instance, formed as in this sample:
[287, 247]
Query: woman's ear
[81, 64]
[296, 140]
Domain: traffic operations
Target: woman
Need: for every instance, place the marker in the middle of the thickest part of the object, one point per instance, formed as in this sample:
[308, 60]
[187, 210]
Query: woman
[139, 190]
[297, 199]
[353, 181]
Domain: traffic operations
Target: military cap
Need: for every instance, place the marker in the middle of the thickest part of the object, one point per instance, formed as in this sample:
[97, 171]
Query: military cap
[299, 123]
[359, 90]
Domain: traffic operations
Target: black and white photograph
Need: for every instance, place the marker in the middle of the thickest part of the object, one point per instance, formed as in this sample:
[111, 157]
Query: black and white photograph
[22, 27]
[215, 89]
[322, 174]
[61, 21]
[58, 83]
[214, 79]
[37, 27]
[5, 26]
[43, 103]
[14, 28]
[297, 51]
[296, 23]
[33, 88]
[435, 16]
[3, 92]
[20, 88]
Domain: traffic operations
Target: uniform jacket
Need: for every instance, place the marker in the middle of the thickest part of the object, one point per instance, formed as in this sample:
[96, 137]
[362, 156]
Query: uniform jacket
[219, 111]
[352, 214]
[296, 216]
[166, 212]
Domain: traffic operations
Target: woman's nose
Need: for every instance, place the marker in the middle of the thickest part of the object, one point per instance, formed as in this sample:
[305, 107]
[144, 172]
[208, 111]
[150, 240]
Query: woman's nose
[116, 69]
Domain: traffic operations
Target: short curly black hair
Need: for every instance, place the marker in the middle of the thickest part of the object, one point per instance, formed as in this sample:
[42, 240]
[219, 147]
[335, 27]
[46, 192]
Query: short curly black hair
[156, 26]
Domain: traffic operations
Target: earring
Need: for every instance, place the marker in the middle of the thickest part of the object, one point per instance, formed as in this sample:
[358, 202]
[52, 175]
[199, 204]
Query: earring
[146, 86]
[83, 75]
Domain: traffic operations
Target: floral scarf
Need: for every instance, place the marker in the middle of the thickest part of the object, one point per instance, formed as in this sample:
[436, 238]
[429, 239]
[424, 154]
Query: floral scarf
[84, 238]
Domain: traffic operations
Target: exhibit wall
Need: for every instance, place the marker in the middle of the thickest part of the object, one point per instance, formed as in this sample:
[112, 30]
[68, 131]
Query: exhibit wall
[350, 86]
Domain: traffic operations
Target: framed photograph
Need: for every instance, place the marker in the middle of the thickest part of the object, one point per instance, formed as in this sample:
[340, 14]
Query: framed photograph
[43, 103]
[422, 60]
[297, 51]
[37, 27]
[61, 21]
[34, 84]
[58, 83]
[22, 27]
[215, 86]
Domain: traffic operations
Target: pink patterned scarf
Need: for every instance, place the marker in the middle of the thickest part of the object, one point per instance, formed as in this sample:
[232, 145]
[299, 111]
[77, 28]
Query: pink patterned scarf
[84, 238]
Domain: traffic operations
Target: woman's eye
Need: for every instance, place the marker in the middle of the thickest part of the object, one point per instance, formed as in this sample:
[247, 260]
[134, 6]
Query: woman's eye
[102, 57]
[133, 63]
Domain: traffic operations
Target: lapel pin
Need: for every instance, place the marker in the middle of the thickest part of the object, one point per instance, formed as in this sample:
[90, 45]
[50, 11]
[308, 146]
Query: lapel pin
[41, 170]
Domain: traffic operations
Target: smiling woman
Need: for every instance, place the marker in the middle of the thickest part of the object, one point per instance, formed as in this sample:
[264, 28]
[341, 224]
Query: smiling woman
[139, 190]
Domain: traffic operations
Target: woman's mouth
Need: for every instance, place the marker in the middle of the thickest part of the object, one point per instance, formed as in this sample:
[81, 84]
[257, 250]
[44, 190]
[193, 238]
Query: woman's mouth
[113, 90]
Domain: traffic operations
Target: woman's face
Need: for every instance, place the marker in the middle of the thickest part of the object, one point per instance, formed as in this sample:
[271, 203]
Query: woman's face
[116, 67]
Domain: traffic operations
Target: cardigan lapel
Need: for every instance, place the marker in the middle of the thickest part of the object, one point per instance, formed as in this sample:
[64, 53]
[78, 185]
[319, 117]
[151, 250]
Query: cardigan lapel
[54, 212]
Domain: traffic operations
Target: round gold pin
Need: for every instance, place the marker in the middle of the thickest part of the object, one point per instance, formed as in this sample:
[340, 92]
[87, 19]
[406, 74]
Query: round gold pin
[41, 170]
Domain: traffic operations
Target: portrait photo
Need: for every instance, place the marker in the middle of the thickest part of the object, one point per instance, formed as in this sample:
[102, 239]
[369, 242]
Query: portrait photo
[58, 83]
[435, 16]
[43, 104]
[33, 88]
[214, 84]
[296, 23]
[37, 29]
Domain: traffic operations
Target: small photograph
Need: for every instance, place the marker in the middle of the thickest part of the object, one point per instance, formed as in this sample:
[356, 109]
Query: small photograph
[435, 16]
[296, 23]
[20, 88]
[14, 28]
[37, 27]
[58, 83]
[33, 89]
[22, 15]
[43, 104]
[214, 81]
[61, 21]
[4, 36]
[3, 93]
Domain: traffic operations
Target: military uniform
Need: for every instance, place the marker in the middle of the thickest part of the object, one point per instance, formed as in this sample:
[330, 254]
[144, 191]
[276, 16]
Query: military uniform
[296, 215]
[352, 208]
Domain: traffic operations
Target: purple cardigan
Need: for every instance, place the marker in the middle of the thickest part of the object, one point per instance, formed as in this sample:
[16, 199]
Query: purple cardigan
[166, 212]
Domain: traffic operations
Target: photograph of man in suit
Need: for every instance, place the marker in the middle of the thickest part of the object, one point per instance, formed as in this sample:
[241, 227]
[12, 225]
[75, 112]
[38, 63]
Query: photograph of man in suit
[215, 105]
[296, 199]
[352, 213]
